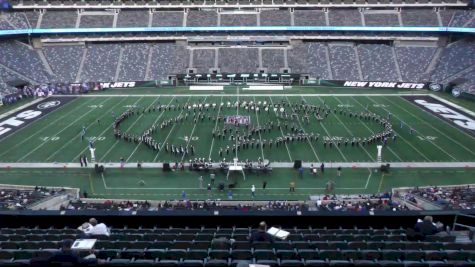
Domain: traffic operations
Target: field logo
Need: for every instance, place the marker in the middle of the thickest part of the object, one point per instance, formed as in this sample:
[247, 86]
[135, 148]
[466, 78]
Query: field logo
[456, 92]
[49, 104]
[457, 118]
[118, 85]
[435, 87]
[27, 115]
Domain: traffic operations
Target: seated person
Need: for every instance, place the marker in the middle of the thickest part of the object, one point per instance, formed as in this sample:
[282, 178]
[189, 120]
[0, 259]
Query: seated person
[65, 257]
[94, 229]
[427, 227]
[261, 234]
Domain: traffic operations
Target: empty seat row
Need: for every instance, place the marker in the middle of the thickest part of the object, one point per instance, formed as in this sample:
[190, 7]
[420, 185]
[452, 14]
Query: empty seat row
[273, 263]
[213, 231]
[258, 254]
[209, 237]
[321, 245]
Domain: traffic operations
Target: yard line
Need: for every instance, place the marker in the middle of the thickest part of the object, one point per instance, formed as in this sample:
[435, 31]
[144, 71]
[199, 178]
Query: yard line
[369, 177]
[325, 129]
[62, 130]
[308, 140]
[117, 141]
[427, 140]
[364, 123]
[44, 128]
[400, 135]
[237, 114]
[348, 131]
[258, 125]
[288, 152]
[138, 145]
[214, 129]
[193, 130]
[448, 137]
[101, 134]
[171, 130]
[72, 139]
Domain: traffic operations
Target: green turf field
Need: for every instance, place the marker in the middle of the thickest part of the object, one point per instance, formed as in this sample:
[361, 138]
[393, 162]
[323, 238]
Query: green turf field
[124, 183]
[56, 139]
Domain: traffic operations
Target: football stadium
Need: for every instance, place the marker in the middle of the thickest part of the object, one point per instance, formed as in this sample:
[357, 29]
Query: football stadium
[237, 133]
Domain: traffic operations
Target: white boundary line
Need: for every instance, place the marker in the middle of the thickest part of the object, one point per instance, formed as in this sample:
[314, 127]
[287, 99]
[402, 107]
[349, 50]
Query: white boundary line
[288, 151]
[399, 135]
[430, 141]
[193, 129]
[101, 134]
[298, 120]
[328, 133]
[258, 125]
[364, 123]
[214, 129]
[453, 104]
[72, 139]
[369, 177]
[43, 128]
[31, 103]
[57, 133]
[238, 188]
[171, 130]
[439, 131]
[138, 145]
[351, 133]
[277, 165]
[117, 141]
[446, 122]
[246, 95]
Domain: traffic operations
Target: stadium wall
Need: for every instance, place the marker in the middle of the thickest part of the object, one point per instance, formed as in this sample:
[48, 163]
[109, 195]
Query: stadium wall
[197, 218]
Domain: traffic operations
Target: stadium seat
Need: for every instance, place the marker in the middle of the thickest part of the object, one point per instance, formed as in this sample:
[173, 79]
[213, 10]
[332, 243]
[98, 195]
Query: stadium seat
[316, 263]
[119, 262]
[271, 263]
[368, 263]
[282, 245]
[308, 254]
[413, 255]
[200, 245]
[341, 263]
[219, 254]
[155, 253]
[196, 254]
[302, 245]
[262, 245]
[175, 254]
[330, 255]
[393, 255]
[107, 254]
[352, 254]
[241, 254]
[216, 263]
[264, 254]
[291, 263]
[142, 262]
[388, 263]
[357, 245]
[6, 255]
[191, 263]
[286, 254]
[167, 263]
[434, 255]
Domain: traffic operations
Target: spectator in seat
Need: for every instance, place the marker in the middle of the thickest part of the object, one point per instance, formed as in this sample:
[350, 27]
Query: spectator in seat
[92, 228]
[65, 257]
[261, 234]
[427, 227]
